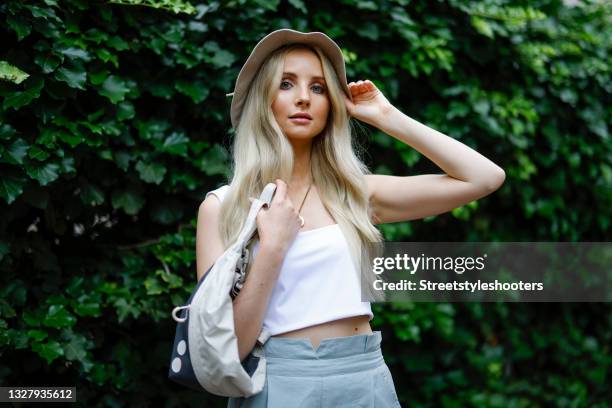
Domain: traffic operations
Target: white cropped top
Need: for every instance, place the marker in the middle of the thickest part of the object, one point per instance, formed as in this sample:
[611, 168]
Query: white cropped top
[317, 282]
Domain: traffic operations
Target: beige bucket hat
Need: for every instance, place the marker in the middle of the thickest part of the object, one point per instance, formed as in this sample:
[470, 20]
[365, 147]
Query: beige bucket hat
[270, 43]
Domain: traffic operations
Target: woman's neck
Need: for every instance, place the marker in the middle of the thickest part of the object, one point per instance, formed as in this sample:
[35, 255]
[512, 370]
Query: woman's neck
[301, 175]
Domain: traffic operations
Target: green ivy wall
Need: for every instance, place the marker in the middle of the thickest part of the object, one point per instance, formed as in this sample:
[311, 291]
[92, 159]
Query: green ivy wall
[114, 124]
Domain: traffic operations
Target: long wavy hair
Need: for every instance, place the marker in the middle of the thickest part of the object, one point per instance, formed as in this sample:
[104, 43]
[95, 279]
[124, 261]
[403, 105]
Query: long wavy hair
[261, 153]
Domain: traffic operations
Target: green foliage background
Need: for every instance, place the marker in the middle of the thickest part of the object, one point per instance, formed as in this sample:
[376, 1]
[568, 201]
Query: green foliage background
[114, 124]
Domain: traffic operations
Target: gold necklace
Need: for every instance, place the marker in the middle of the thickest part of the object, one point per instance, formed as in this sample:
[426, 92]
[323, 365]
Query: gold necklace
[301, 205]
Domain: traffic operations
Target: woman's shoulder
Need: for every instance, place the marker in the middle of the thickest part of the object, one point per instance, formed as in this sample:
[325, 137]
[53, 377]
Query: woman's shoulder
[219, 192]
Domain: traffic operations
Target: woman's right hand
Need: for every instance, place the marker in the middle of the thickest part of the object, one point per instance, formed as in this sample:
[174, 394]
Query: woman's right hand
[278, 224]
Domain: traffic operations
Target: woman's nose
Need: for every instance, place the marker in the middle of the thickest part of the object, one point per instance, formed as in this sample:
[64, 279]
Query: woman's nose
[303, 96]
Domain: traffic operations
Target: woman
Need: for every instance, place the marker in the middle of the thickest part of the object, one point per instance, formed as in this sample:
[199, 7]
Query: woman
[291, 108]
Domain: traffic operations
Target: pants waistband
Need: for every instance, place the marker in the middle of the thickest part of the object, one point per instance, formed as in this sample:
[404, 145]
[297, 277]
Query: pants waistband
[334, 356]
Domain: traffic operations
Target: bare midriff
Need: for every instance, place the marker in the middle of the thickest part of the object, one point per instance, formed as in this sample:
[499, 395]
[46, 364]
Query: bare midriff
[349, 326]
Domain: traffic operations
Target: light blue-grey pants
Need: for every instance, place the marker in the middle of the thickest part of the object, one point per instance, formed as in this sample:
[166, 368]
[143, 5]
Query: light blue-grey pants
[343, 372]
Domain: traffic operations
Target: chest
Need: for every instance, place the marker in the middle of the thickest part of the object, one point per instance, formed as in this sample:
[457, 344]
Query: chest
[314, 212]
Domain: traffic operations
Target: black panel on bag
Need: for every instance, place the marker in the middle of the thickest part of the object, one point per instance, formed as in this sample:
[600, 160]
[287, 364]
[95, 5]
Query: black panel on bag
[250, 364]
[185, 376]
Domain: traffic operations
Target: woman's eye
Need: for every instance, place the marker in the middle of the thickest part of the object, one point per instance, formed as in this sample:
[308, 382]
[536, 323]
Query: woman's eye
[321, 89]
[316, 88]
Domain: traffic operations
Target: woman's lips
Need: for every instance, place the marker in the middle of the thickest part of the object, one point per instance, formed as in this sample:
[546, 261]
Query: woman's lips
[299, 120]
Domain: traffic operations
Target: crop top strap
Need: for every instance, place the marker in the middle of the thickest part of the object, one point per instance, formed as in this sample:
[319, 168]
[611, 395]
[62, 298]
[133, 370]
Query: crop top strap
[220, 192]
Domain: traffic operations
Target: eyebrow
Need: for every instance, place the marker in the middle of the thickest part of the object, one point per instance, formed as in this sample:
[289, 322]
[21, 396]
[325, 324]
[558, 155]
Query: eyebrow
[291, 74]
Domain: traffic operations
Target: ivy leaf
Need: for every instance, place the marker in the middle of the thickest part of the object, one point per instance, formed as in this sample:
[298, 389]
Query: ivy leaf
[17, 151]
[482, 26]
[48, 62]
[197, 26]
[482, 106]
[97, 77]
[299, 4]
[92, 195]
[599, 127]
[157, 45]
[20, 99]
[161, 89]
[152, 286]
[96, 36]
[123, 158]
[49, 351]
[457, 109]
[18, 338]
[223, 59]
[215, 161]
[11, 187]
[173, 281]
[125, 110]
[33, 318]
[124, 309]
[44, 174]
[22, 28]
[196, 90]
[176, 144]
[44, 13]
[6, 310]
[114, 88]
[7, 131]
[5, 249]
[5, 337]
[87, 308]
[117, 43]
[167, 212]
[367, 5]
[131, 202]
[220, 58]
[75, 53]
[37, 153]
[11, 73]
[186, 60]
[153, 129]
[271, 5]
[67, 165]
[106, 56]
[70, 138]
[197, 147]
[151, 172]
[73, 77]
[369, 30]
[58, 317]
[45, 138]
[37, 335]
[75, 349]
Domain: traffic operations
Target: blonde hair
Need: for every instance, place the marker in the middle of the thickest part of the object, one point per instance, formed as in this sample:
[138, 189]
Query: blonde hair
[262, 153]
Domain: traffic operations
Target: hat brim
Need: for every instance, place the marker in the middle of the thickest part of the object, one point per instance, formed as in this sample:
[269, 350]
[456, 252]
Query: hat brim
[270, 43]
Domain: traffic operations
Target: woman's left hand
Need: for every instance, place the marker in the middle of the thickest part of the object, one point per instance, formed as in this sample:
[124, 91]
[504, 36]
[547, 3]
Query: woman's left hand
[369, 104]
